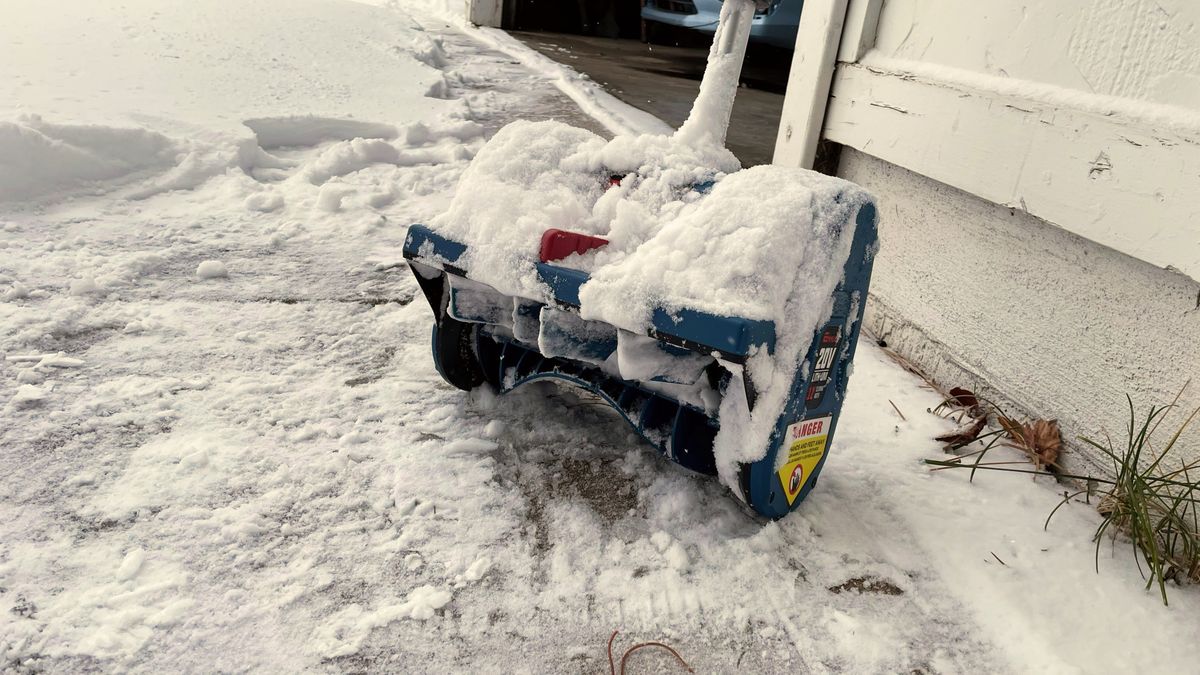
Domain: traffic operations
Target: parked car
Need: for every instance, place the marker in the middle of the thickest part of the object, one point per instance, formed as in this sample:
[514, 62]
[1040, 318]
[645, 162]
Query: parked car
[776, 25]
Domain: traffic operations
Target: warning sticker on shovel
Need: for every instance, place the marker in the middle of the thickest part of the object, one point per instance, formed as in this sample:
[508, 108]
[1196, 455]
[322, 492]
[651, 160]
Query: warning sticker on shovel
[805, 442]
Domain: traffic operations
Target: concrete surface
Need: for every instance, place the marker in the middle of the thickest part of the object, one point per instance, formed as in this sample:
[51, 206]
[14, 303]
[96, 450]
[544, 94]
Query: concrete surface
[664, 80]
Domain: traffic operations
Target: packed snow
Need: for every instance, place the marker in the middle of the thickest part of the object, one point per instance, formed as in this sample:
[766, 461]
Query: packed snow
[263, 471]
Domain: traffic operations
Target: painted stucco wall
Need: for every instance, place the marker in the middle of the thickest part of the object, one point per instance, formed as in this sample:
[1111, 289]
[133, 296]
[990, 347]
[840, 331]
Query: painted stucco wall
[1052, 324]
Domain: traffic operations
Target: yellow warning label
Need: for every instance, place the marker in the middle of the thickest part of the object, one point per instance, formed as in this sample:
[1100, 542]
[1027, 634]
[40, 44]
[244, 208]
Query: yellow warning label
[806, 446]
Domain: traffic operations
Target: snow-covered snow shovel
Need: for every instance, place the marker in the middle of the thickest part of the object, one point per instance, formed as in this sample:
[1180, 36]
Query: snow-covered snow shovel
[716, 309]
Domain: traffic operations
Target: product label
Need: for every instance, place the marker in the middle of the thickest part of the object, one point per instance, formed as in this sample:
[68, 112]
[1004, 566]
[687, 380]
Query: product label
[826, 351]
[805, 442]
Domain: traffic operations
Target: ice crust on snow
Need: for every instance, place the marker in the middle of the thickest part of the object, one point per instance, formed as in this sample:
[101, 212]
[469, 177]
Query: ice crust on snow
[59, 360]
[766, 243]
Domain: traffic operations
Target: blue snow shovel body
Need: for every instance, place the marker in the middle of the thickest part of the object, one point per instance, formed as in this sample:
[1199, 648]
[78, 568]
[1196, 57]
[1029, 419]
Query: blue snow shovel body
[482, 337]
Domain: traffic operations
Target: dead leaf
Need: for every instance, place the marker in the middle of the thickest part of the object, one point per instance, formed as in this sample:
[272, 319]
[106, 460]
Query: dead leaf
[1040, 440]
[964, 434]
[963, 398]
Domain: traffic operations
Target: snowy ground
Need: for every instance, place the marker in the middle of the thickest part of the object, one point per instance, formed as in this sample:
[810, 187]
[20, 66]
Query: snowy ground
[259, 469]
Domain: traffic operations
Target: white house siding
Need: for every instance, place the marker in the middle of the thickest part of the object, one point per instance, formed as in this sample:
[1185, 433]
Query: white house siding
[1050, 323]
[1038, 170]
[1144, 50]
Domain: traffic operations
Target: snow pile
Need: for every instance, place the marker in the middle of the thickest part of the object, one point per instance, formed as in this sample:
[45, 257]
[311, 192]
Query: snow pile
[761, 236]
[533, 176]
[27, 396]
[37, 158]
[148, 102]
[513, 191]
[421, 144]
[178, 64]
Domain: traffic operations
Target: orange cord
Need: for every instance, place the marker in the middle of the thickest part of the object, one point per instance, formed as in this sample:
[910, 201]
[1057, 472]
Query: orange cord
[612, 668]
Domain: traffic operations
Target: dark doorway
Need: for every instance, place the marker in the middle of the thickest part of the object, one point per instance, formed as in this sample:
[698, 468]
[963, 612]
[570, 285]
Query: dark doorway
[601, 18]
[655, 67]
[664, 80]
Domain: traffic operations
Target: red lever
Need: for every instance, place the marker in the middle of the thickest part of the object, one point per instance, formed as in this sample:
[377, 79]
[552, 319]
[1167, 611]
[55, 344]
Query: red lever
[558, 244]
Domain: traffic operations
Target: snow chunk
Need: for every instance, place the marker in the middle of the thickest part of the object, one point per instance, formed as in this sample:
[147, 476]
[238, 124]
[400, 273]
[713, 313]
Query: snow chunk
[672, 550]
[493, 429]
[59, 360]
[131, 565]
[428, 50]
[28, 396]
[354, 437]
[17, 291]
[640, 357]
[212, 269]
[30, 376]
[330, 197]
[424, 602]
[84, 286]
[469, 446]
[309, 130]
[265, 201]
[346, 632]
[82, 479]
[478, 569]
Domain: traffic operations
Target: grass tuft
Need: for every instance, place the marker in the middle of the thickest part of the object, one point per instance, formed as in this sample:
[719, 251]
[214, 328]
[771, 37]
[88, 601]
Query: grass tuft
[1152, 498]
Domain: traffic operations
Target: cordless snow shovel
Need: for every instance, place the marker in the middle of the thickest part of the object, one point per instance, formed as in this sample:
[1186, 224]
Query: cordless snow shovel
[716, 310]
